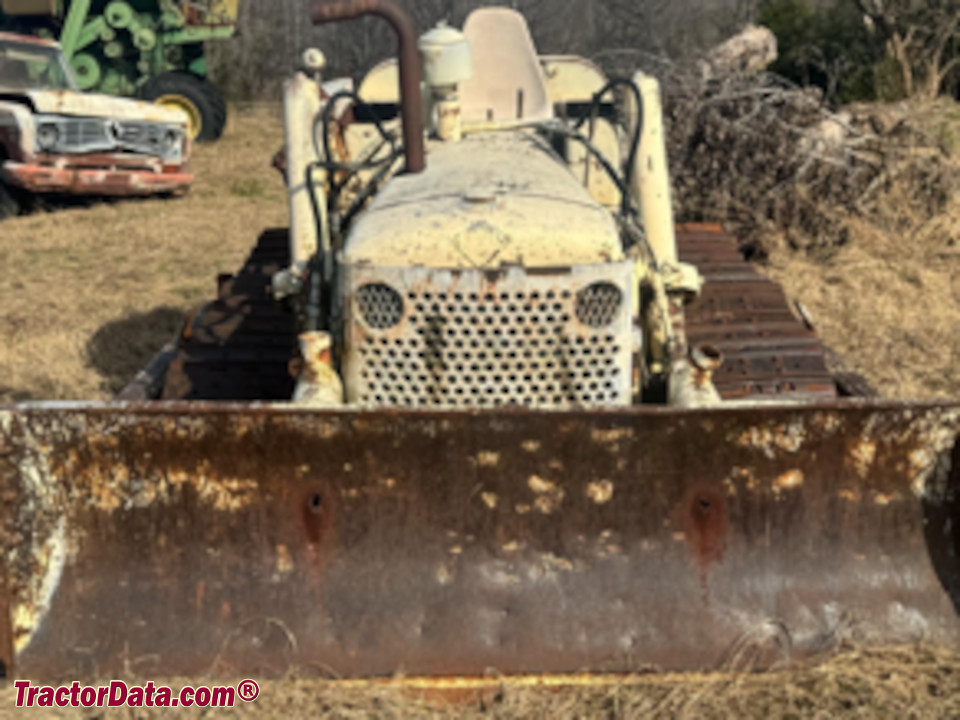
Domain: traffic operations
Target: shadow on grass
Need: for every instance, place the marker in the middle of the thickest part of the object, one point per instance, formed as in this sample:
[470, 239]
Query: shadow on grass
[122, 348]
[12, 395]
[49, 204]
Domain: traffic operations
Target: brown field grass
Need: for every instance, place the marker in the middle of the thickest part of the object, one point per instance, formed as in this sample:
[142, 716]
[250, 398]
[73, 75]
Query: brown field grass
[896, 683]
[889, 303]
[91, 293]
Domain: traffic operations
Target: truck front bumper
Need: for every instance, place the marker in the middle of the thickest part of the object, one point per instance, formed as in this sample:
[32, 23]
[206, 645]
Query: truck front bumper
[87, 180]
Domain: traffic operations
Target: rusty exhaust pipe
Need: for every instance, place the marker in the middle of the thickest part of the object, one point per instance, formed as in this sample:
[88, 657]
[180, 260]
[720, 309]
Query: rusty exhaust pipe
[328, 11]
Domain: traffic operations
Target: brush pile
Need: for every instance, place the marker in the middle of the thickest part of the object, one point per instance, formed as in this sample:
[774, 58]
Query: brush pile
[776, 165]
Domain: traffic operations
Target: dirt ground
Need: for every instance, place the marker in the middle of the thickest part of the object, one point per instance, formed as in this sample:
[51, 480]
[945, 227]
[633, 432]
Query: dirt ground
[92, 292]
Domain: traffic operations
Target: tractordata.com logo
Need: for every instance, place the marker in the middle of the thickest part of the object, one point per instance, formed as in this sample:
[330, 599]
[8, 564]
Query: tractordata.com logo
[120, 694]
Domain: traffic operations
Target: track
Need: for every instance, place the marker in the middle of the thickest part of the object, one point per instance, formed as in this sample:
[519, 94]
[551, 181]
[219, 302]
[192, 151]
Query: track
[239, 347]
[767, 351]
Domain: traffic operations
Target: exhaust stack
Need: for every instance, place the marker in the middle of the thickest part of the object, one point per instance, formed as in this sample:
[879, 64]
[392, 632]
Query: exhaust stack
[328, 11]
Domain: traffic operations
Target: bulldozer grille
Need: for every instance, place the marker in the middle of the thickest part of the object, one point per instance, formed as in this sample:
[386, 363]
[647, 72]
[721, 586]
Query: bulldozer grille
[435, 338]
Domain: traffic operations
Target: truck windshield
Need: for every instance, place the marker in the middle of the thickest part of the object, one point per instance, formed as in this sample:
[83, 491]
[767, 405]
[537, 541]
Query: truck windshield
[25, 66]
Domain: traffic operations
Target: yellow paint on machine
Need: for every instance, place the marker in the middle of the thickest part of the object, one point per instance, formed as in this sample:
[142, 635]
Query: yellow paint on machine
[491, 200]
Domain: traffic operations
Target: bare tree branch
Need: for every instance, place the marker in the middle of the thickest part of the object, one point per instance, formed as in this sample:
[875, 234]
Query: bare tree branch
[920, 36]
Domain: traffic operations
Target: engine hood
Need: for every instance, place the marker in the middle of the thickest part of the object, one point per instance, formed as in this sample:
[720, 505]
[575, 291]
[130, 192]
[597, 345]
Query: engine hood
[492, 200]
[77, 104]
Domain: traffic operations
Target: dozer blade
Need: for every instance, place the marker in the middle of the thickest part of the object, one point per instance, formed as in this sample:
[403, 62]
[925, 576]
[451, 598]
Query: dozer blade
[176, 540]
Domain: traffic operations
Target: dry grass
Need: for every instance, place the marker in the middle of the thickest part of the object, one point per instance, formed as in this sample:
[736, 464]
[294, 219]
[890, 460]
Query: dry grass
[90, 293]
[898, 683]
[888, 302]
[889, 299]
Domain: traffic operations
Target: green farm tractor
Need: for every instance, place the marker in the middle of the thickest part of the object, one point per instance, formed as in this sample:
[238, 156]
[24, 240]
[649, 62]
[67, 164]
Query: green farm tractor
[153, 49]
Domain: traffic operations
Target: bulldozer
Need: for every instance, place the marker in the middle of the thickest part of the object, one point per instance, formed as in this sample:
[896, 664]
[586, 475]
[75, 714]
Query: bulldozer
[484, 409]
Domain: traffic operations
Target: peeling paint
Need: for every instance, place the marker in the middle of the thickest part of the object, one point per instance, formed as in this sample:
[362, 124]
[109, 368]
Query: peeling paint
[444, 575]
[862, 456]
[608, 437]
[540, 485]
[549, 495]
[600, 492]
[786, 437]
[488, 458]
[884, 499]
[741, 475]
[28, 614]
[790, 480]
[827, 423]
[284, 561]
[547, 566]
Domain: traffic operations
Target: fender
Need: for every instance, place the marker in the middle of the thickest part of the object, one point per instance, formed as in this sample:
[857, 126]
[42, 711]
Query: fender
[17, 132]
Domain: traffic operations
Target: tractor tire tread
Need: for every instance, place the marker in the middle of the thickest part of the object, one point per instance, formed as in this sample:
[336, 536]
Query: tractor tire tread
[200, 91]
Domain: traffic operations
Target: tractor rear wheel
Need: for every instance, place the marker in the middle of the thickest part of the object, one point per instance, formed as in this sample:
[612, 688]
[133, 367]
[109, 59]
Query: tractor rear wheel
[197, 97]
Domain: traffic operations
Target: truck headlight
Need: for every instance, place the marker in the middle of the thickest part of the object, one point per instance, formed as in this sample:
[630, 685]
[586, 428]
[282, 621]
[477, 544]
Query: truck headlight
[48, 135]
[172, 142]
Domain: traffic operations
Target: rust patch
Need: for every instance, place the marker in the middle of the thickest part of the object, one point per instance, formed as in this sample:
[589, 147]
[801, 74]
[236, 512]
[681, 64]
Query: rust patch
[106, 180]
[600, 491]
[705, 524]
[317, 516]
[790, 480]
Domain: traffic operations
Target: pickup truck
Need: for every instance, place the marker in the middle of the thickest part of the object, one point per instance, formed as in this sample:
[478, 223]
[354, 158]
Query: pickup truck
[55, 140]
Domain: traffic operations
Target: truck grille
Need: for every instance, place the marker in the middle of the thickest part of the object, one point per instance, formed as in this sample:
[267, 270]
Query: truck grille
[88, 135]
[466, 340]
[83, 132]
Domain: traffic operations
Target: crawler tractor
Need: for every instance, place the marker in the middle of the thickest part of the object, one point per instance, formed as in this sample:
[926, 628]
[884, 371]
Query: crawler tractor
[483, 409]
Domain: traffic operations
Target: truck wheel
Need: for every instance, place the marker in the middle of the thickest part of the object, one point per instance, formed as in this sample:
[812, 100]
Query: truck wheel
[197, 97]
[9, 205]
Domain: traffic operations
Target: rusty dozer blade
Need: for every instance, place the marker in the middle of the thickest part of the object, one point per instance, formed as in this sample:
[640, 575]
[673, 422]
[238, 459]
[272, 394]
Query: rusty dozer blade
[176, 540]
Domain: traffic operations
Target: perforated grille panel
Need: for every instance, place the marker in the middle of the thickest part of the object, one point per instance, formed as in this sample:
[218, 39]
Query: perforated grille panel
[476, 343]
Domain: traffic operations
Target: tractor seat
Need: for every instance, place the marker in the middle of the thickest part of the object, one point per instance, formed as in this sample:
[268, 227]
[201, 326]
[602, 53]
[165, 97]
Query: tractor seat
[508, 82]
